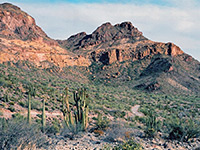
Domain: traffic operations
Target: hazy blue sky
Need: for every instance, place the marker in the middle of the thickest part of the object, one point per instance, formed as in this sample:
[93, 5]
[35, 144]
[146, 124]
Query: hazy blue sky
[176, 21]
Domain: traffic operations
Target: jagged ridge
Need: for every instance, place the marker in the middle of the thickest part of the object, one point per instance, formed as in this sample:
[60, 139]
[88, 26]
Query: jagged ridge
[105, 33]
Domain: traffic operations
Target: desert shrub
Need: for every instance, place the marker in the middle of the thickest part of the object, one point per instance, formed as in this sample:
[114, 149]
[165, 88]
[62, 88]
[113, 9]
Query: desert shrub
[6, 98]
[54, 127]
[16, 133]
[11, 103]
[2, 105]
[72, 131]
[141, 119]
[102, 122]
[117, 131]
[182, 129]
[152, 124]
[129, 145]
[144, 110]
[18, 116]
[11, 108]
[35, 104]
[22, 104]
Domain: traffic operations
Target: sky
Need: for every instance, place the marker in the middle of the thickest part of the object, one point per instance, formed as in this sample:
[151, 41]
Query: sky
[176, 21]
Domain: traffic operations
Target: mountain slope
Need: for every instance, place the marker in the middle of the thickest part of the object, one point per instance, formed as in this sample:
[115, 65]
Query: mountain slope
[120, 55]
[113, 54]
[120, 69]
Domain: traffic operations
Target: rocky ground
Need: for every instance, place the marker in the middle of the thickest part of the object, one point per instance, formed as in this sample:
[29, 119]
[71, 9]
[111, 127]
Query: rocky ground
[90, 141]
[113, 136]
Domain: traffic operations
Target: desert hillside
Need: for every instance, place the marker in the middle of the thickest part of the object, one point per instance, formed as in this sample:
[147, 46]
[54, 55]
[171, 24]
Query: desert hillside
[111, 89]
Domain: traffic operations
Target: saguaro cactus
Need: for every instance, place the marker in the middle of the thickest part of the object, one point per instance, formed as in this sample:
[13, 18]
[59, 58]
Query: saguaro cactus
[43, 116]
[66, 110]
[80, 113]
[29, 109]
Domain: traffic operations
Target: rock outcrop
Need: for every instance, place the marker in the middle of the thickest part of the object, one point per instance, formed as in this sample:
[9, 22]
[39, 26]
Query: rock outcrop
[22, 39]
[16, 24]
[121, 42]
[136, 52]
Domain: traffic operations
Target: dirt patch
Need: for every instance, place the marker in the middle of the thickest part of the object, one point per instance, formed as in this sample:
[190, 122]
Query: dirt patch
[134, 110]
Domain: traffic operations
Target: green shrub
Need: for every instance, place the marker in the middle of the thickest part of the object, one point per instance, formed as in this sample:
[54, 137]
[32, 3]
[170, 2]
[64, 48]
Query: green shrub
[1, 113]
[22, 104]
[152, 124]
[129, 145]
[102, 122]
[183, 129]
[11, 108]
[54, 127]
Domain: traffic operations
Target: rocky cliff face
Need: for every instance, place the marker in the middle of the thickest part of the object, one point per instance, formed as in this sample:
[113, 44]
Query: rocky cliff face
[121, 42]
[136, 52]
[22, 39]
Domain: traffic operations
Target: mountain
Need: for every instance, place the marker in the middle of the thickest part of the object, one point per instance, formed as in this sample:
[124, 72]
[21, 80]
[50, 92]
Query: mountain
[22, 39]
[136, 90]
[16, 24]
[113, 54]
[124, 55]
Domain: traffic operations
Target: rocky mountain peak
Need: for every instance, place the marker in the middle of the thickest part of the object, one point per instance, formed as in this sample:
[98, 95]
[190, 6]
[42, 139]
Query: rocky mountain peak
[126, 25]
[107, 32]
[104, 27]
[16, 24]
[9, 6]
[104, 34]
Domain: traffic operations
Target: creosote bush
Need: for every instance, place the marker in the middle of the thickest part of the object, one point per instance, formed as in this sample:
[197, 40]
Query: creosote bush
[17, 133]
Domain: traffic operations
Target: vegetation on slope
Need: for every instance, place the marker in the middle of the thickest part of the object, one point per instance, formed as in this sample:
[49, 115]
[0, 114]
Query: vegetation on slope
[177, 116]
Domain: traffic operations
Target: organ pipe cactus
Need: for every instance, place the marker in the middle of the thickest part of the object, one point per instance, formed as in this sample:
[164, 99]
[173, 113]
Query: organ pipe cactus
[43, 116]
[78, 115]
